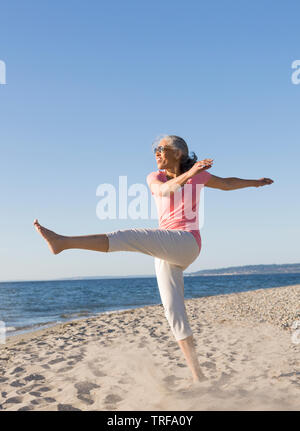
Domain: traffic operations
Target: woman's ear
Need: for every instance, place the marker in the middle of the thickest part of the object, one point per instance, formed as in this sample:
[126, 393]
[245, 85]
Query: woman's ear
[178, 154]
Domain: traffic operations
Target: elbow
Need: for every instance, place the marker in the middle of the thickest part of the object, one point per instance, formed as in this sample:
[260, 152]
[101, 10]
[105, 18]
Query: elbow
[161, 193]
[166, 193]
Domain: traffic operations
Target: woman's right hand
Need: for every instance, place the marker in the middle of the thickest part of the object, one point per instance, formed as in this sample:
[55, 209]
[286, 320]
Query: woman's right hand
[202, 165]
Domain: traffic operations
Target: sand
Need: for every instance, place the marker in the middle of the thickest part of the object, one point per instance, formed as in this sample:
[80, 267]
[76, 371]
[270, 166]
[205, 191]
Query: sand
[130, 360]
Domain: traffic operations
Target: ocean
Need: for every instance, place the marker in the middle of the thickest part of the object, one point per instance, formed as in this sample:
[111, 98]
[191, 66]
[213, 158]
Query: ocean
[31, 305]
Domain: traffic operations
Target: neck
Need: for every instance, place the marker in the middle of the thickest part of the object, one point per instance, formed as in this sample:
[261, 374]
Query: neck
[173, 172]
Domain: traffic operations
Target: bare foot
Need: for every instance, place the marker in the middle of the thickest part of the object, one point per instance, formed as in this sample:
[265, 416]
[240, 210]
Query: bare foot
[54, 241]
[201, 383]
[200, 378]
[196, 387]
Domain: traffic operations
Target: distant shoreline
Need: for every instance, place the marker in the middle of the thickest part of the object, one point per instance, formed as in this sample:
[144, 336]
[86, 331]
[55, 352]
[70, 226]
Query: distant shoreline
[290, 268]
[245, 273]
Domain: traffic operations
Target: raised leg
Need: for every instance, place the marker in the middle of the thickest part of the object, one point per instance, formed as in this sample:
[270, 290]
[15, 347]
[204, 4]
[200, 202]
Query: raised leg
[58, 243]
[170, 281]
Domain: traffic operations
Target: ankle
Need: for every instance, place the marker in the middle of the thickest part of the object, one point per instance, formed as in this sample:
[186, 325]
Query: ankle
[65, 242]
[199, 377]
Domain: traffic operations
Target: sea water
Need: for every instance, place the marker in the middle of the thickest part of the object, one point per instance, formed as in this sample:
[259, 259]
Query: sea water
[32, 305]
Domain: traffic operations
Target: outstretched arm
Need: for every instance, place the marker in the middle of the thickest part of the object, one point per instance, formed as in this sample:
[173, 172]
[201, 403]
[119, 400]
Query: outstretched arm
[233, 183]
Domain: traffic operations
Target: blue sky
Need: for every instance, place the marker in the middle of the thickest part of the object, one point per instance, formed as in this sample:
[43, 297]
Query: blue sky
[91, 84]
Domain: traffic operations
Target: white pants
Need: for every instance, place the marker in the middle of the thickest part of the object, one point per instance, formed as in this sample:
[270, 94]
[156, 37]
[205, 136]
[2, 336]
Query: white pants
[174, 251]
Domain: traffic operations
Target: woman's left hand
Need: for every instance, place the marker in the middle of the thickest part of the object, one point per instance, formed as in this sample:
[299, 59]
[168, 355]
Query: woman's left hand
[263, 182]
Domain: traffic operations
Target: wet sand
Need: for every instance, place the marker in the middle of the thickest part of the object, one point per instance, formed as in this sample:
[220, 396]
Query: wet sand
[130, 361]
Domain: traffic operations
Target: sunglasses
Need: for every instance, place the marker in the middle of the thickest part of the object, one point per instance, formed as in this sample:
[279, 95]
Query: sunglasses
[161, 149]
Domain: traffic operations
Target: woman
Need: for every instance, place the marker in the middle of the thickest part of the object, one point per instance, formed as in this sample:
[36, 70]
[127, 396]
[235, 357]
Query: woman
[177, 242]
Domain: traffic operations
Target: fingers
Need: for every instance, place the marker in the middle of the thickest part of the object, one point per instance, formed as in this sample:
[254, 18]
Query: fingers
[205, 163]
[267, 180]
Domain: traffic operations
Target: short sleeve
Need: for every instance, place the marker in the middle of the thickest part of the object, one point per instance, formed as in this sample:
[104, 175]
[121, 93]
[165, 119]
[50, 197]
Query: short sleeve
[202, 177]
[153, 176]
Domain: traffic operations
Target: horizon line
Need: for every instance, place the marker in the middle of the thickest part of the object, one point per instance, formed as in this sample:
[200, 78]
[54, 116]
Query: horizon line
[86, 277]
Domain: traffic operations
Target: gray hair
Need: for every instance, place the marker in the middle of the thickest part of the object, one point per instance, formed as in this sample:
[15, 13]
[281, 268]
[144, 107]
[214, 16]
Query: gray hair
[186, 162]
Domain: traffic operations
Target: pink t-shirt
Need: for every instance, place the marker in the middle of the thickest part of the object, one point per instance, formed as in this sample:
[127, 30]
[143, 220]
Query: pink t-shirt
[180, 211]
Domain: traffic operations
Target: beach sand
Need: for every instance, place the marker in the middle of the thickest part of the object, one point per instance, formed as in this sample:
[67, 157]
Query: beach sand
[130, 360]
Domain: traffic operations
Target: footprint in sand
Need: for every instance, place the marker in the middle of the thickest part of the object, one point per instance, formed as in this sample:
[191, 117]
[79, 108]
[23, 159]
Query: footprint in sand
[56, 361]
[64, 369]
[34, 377]
[172, 344]
[49, 400]
[95, 370]
[171, 380]
[45, 366]
[17, 384]
[24, 409]
[125, 381]
[83, 391]
[35, 394]
[14, 400]
[17, 370]
[44, 389]
[112, 398]
[210, 365]
[66, 408]
[21, 391]
[36, 402]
